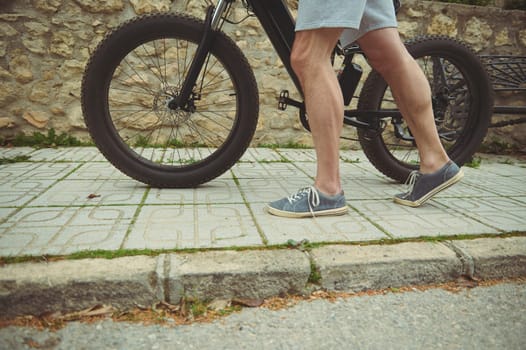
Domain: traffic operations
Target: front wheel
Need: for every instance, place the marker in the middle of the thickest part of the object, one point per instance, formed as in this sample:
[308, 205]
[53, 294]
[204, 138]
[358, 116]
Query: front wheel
[462, 100]
[132, 77]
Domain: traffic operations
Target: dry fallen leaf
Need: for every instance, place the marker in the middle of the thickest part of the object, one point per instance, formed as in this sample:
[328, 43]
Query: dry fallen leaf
[97, 310]
[247, 302]
[166, 306]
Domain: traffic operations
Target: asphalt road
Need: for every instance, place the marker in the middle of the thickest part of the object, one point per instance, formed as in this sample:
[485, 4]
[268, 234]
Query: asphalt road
[479, 318]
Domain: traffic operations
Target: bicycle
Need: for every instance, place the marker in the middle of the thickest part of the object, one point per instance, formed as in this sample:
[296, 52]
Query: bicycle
[171, 101]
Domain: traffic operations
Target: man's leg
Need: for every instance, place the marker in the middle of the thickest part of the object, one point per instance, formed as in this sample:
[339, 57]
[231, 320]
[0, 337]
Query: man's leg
[412, 93]
[310, 60]
[387, 55]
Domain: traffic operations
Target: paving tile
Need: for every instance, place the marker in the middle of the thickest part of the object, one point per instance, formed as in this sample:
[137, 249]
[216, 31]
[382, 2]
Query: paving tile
[504, 169]
[218, 191]
[431, 219]
[348, 171]
[494, 204]
[5, 213]
[40, 217]
[74, 154]
[16, 240]
[70, 216]
[61, 240]
[49, 171]
[10, 152]
[176, 155]
[346, 228]
[297, 155]
[476, 173]
[249, 171]
[53, 230]
[368, 167]
[104, 215]
[9, 172]
[260, 155]
[40, 171]
[152, 154]
[499, 185]
[287, 170]
[465, 189]
[359, 171]
[18, 191]
[77, 192]
[97, 171]
[370, 188]
[76, 239]
[353, 155]
[189, 226]
[390, 187]
[503, 213]
[227, 226]
[268, 171]
[266, 190]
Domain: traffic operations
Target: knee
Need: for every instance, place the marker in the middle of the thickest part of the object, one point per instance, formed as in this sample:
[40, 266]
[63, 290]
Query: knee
[299, 62]
[381, 64]
[387, 65]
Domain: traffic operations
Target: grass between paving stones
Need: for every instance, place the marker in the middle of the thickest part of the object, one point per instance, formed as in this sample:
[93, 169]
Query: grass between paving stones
[303, 245]
[290, 144]
[474, 163]
[15, 159]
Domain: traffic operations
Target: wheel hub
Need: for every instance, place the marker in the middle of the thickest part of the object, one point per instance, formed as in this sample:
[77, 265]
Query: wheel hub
[163, 107]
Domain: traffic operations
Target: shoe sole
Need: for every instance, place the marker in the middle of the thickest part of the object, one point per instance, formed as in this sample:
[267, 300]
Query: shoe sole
[431, 193]
[288, 214]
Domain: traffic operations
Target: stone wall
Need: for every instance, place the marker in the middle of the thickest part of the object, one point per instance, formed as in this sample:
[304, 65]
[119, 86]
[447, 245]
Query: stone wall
[44, 45]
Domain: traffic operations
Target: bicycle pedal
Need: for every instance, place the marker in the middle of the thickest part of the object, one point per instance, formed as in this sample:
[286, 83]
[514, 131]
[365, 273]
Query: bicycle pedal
[283, 100]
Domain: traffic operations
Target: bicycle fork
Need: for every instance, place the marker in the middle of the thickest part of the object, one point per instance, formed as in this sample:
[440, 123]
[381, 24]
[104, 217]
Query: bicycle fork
[212, 24]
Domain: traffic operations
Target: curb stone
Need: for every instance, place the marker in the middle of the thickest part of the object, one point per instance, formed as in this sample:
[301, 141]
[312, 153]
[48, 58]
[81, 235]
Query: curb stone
[241, 274]
[71, 285]
[494, 257]
[358, 268]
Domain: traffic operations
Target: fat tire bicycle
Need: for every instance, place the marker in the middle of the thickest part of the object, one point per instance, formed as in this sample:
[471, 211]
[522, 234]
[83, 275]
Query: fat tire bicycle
[172, 101]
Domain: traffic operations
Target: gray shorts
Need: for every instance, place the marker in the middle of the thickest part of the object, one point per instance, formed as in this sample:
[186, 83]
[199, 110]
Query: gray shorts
[357, 16]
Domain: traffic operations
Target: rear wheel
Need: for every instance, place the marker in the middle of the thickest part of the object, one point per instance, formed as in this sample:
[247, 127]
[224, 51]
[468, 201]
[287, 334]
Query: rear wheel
[126, 91]
[462, 104]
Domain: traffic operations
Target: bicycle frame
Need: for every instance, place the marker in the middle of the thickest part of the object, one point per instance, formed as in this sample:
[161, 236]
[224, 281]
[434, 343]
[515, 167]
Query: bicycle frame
[279, 25]
[277, 21]
[275, 18]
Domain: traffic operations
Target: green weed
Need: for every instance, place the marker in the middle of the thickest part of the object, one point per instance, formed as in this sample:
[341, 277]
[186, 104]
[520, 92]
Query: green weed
[16, 159]
[474, 163]
[39, 140]
[290, 144]
[315, 274]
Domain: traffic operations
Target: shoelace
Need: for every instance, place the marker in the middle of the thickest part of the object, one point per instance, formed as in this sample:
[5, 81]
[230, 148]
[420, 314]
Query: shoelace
[411, 180]
[311, 190]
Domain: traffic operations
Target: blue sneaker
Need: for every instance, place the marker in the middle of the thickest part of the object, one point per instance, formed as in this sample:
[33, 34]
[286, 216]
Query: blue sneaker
[308, 202]
[424, 186]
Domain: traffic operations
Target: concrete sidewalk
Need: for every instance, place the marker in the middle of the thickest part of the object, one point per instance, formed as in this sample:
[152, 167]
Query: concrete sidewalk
[63, 201]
